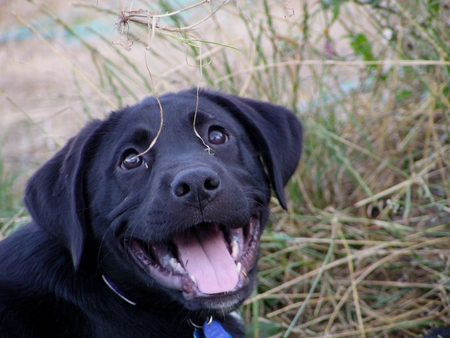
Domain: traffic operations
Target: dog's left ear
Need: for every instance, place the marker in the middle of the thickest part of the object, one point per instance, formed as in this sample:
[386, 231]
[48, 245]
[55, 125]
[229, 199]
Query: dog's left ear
[276, 132]
[55, 196]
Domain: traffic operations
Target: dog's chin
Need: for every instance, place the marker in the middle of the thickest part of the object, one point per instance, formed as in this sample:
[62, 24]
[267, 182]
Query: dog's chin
[216, 305]
[208, 265]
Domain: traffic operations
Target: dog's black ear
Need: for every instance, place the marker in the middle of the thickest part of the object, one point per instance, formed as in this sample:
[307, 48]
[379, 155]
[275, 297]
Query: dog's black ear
[54, 195]
[275, 130]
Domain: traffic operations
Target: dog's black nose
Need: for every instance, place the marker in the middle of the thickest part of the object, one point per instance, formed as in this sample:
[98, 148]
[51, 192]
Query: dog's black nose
[196, 185]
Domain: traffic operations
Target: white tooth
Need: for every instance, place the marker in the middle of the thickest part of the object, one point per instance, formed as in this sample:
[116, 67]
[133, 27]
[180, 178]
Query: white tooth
[176, 265]
[234, 249]
[238, 267]
[193, 279]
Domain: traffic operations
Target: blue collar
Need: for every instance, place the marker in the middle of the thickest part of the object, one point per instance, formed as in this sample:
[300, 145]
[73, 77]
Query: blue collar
[116, 290]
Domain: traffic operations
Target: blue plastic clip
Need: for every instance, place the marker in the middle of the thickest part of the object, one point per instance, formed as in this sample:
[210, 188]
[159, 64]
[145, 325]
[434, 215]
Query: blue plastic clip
[215, 330]
[212, 329]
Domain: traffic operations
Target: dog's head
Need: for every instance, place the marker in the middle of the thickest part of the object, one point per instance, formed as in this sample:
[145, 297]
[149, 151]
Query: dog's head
[184, 217]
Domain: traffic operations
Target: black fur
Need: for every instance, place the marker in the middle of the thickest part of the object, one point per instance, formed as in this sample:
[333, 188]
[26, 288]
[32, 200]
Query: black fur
[440, 332]
[89, 209]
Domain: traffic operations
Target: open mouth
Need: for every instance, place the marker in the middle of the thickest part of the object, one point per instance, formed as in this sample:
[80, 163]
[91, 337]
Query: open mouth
[206, 260]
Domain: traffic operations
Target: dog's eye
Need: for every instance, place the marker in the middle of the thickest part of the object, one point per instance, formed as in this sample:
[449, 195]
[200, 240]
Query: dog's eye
[132, 161]
[217, 135]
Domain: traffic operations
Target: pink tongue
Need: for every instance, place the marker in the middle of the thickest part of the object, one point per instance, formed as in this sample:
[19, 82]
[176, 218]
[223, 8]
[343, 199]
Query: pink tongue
[204, 254]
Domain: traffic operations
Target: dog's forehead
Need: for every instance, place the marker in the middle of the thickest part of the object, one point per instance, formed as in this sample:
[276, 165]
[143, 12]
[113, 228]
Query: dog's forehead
[139, 124]
[176, 110]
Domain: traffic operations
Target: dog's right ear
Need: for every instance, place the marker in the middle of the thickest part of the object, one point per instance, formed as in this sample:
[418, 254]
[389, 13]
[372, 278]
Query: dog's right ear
[54, 195]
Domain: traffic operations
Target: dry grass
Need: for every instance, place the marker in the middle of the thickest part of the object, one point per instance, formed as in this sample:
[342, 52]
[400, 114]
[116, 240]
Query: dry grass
[364, 249]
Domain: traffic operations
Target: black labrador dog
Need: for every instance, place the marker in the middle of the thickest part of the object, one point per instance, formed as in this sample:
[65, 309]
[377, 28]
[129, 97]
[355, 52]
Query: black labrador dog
[128, 241]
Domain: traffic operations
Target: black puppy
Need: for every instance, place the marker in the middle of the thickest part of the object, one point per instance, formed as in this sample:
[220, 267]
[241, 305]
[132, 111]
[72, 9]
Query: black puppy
[131, 242]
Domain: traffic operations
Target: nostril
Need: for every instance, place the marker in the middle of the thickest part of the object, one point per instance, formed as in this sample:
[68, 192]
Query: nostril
[195, 185]
[212, 183]
[181, 189]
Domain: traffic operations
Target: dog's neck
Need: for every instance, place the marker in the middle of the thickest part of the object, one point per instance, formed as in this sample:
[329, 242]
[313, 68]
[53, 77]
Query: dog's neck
[210, 329]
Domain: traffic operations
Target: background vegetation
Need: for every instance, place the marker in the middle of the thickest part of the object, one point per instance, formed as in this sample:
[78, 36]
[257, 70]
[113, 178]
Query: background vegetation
[364, 249]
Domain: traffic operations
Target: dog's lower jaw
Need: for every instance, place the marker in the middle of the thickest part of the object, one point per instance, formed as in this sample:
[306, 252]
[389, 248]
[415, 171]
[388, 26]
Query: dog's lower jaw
[219, 304]
[221, 308]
